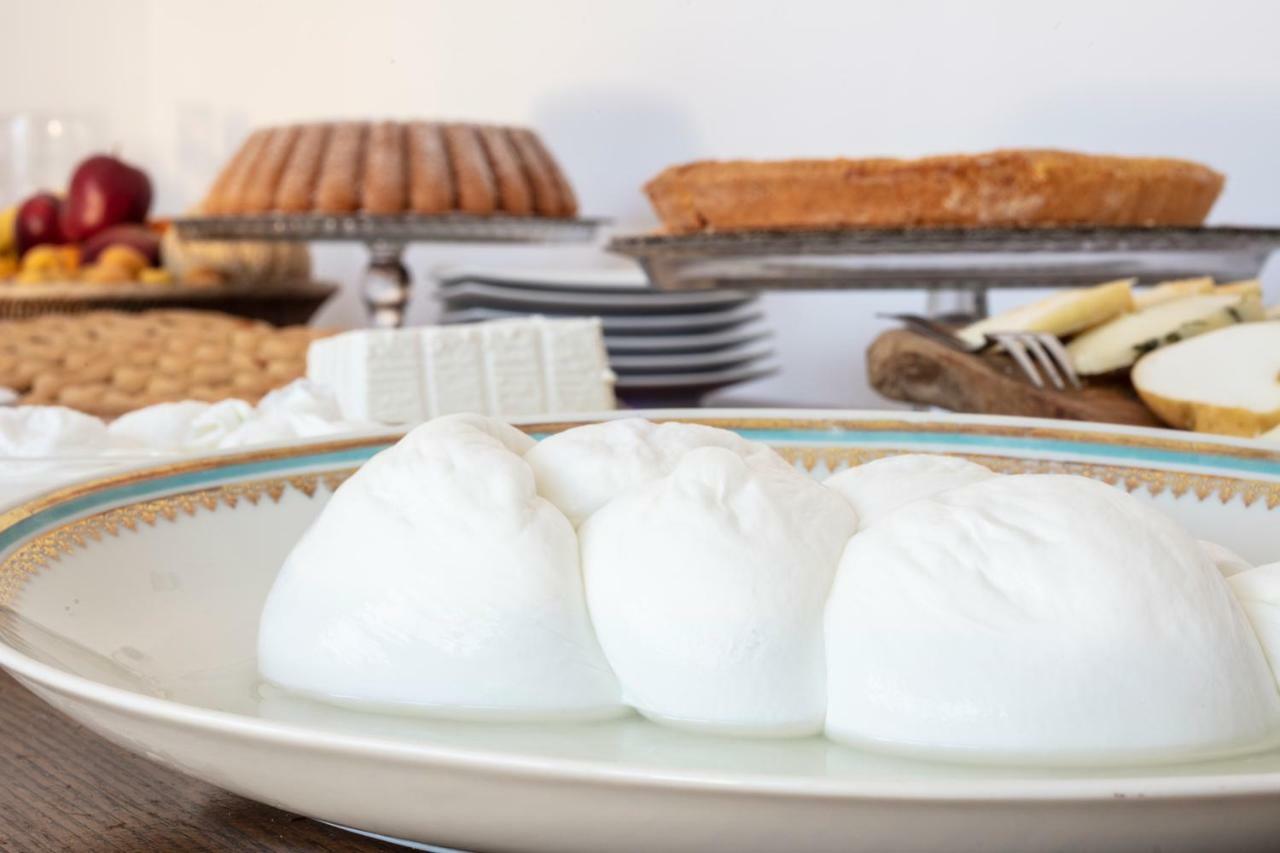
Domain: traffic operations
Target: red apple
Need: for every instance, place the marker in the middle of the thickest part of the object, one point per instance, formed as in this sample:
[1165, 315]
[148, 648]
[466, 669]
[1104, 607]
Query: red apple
[104, 191]
[139, 237]
[38, 222]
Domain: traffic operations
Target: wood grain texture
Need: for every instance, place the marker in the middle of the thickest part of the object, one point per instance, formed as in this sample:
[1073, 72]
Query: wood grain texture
[64, 788]
[905, 366]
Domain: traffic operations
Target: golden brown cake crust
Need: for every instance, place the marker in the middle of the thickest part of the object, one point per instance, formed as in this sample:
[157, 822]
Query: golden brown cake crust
[338, 184]
[385, 175]
[392, 168]
[1014, 189]
[472, 175]
[297, 182]
[513, 187]
[430, 179]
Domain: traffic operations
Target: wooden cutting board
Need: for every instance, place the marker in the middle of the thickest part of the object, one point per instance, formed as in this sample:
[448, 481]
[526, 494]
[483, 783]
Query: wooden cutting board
[910, 367]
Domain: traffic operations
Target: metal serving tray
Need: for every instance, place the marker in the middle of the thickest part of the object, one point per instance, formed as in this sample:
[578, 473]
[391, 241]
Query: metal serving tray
[386, 281]
[366, 228]
[945, 259]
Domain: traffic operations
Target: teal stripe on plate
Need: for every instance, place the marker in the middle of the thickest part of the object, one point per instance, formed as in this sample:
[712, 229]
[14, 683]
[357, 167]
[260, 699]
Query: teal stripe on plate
[904, 439]
[1048, 446]
[188, 480]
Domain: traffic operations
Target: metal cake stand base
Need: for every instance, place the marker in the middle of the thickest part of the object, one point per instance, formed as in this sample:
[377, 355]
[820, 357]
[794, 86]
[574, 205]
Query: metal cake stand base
[385, 286]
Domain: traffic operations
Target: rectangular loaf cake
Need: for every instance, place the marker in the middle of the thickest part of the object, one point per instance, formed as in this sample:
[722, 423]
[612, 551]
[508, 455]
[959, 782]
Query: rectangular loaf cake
[1012, 189]
[526, 366]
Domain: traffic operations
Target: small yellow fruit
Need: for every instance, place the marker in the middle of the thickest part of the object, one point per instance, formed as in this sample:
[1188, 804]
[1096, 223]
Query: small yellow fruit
[123, 258]
[43, 260]
[8, 266]
[8, 229]
[70, 257]
[155, 275]
[34, 277]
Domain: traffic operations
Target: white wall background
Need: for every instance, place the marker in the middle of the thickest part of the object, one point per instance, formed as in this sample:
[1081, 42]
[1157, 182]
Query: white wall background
[621, 89]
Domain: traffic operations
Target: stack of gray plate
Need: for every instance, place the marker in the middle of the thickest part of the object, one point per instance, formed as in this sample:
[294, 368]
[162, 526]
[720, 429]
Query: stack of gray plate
[668, 349]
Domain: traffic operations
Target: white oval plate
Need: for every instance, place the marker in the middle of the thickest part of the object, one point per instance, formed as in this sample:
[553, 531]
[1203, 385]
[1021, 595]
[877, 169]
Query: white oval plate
[131, 603]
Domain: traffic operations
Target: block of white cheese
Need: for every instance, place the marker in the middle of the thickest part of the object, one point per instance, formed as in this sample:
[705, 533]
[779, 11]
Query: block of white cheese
[525, 366]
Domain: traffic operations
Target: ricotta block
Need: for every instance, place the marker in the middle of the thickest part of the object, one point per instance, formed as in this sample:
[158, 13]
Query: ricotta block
[706, 588]
[1227, 381]
[879, 487]
[581, 469]
[1063, 313]
[1118, 344]
[436, 581]
[1045, 618]
[525, 366]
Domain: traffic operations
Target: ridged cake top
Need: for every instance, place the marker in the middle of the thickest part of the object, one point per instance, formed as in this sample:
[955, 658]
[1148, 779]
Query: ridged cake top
[392, 167]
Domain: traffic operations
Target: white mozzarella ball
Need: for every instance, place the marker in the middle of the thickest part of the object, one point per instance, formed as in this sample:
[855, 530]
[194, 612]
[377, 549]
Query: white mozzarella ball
[581, 469]
[1227, 561]
[1258, 591]
[706, 588]
[164, 426]
[35, 431]
[1040, 617]
[881, 486]
[508, 436]
[436, 580]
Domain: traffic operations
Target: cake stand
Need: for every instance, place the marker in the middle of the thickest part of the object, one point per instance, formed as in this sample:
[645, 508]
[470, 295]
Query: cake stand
[385, 285]
[956, 266]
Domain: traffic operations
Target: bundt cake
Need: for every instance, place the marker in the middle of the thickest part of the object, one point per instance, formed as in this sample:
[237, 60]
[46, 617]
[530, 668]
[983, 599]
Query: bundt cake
[1010, 189]
[392, 167]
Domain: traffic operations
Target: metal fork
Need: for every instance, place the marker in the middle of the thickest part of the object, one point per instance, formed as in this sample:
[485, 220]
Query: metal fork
[1028, 349]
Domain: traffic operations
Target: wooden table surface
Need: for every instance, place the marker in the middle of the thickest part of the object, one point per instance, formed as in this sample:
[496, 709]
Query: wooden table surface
[64, 788]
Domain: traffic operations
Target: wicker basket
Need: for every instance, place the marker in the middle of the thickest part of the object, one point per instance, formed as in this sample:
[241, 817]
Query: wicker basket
[285, 304]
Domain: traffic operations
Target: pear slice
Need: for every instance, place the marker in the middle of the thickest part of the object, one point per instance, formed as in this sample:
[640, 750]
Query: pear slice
[1119, 343]
[1063, 313]
[1226, 381]
[1167, 291]
[1250, 287]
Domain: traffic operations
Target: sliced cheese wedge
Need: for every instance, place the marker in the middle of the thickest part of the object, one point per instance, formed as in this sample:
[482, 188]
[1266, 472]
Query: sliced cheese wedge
[1167, 291]
[1119, 343]
[1226, 381]
[1063, 313]
[1250, 287]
